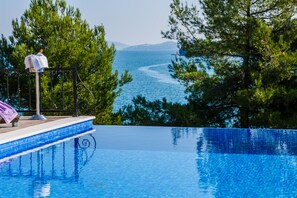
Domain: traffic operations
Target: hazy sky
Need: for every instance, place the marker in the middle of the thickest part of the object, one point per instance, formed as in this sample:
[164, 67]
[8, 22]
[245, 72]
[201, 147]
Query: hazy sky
[127, 21]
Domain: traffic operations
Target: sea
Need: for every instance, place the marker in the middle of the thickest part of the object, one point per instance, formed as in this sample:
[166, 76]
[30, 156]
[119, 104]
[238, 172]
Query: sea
[151, 77]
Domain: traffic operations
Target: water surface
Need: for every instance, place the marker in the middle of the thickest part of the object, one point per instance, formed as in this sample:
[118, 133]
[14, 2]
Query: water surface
[158, 162]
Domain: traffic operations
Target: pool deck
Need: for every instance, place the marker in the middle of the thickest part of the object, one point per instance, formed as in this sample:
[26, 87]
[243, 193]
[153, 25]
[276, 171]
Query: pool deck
[28, 127]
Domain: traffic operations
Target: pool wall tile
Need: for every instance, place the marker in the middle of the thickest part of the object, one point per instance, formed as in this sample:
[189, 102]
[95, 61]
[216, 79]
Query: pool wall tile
[17, 146]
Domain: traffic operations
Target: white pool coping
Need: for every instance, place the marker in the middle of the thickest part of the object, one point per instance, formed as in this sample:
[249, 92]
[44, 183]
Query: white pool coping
[41, 128]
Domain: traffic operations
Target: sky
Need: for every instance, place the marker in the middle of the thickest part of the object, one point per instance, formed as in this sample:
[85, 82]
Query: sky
[130, 22]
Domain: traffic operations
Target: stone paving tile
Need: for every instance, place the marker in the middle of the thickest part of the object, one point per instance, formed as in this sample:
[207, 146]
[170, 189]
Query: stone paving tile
[25, 122]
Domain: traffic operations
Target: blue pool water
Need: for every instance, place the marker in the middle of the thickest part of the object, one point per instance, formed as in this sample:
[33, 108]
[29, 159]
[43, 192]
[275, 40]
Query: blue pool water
[124, 161]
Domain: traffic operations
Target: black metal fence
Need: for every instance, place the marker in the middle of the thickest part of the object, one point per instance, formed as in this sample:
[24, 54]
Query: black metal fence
[58, 90]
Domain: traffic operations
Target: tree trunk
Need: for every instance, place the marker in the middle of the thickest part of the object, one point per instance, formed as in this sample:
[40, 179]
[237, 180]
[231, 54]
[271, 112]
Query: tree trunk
[244, 118]
[244, 110]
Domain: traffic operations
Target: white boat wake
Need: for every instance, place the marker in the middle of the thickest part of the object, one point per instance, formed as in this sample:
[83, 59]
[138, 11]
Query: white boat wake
[155, 74]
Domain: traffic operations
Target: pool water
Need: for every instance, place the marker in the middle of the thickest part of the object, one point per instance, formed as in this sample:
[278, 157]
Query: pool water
[124, 161]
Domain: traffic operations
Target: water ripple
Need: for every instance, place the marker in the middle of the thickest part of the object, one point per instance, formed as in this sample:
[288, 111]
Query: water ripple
[155, 74]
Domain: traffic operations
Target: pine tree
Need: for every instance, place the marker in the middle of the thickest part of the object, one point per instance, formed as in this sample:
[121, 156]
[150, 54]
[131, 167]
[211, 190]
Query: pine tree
[68, 41]
[242, 59]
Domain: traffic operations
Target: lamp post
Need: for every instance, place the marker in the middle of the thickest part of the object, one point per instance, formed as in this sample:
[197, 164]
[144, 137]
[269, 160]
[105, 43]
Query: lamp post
[36, 64]
[37, 116]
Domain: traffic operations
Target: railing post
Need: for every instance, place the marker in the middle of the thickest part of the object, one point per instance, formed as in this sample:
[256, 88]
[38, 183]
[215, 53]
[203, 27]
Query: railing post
[74, 78]
[19, 91]
[29, 91]
[7, 84]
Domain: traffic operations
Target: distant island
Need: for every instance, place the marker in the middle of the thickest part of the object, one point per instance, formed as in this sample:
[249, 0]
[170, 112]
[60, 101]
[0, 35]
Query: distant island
[165, 46]
[118, 45]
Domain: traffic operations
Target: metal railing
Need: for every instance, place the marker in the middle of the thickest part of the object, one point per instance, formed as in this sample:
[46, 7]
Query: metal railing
[58, 90]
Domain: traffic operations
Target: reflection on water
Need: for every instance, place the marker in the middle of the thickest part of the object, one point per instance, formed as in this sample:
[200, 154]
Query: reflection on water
[159, 162]
[62, 162]
[248, 141]
[239, 141]
[41, 188]
[243, 162]
[178, 133]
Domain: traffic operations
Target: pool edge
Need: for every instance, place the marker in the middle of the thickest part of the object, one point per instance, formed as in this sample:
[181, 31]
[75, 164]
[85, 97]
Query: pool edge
[35, 136]
[41, 128]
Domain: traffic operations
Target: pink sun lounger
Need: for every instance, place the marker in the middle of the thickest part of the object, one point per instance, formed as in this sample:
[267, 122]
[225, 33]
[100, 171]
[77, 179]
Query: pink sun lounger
[8, 114]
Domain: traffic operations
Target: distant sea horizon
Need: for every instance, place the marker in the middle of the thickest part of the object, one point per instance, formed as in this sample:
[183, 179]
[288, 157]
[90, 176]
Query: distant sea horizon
[151, 77]
[162, 46]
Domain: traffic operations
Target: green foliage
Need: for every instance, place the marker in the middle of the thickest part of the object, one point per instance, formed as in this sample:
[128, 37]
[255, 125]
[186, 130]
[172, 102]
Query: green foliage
[242, 60]
[67, 41]
[157, 113]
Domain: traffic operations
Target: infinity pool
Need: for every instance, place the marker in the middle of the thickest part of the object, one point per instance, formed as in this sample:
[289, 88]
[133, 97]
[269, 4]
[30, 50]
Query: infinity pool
[122, 161]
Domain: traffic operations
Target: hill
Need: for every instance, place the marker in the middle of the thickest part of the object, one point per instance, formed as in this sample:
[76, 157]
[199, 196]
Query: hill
[166, 46]
[118, 45]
